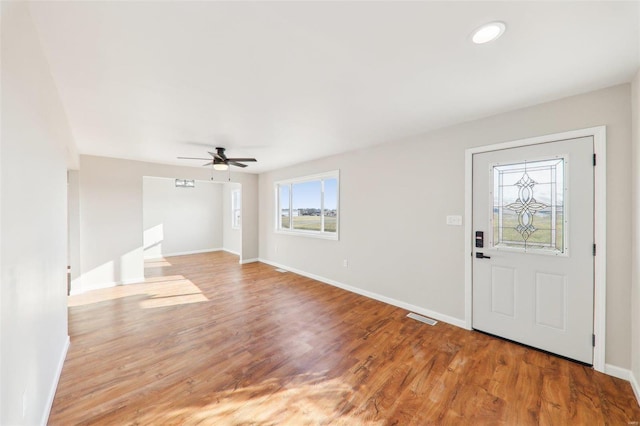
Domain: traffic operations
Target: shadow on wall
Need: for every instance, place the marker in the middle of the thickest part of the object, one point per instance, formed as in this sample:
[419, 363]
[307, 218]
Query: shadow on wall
[152, 241]
[126, 269]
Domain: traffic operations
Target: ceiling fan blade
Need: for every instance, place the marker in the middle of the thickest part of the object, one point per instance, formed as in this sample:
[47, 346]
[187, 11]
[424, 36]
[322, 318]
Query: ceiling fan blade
[218, 157]
[233, 163]
[242, 159]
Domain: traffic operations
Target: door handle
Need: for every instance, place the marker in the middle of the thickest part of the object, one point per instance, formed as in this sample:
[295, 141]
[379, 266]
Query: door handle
[480, 255]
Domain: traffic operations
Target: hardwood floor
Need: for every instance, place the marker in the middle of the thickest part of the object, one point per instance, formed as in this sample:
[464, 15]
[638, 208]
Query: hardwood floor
[207, 341]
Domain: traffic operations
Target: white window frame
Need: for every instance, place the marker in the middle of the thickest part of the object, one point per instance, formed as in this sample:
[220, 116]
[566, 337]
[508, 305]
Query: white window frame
[236, 197]
[335, 174]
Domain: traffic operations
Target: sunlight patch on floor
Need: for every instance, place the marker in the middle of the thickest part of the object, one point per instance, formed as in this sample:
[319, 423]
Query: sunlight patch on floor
[156, 263]
[311, 400]
[172, 300]
[160, 291]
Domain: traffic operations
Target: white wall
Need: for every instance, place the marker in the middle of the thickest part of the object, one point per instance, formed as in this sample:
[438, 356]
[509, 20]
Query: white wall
[110, 223]
[414, 257]
[111, 216]
[180, 220]
[250, 218]
[635, 281]
[73, 226]
[232, 238]
[36, 145]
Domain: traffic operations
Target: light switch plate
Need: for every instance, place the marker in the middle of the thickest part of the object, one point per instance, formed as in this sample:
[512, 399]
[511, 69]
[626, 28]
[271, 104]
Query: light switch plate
[454, 220]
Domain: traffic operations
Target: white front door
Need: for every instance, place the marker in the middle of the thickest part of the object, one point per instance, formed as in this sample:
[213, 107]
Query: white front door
[533, 217]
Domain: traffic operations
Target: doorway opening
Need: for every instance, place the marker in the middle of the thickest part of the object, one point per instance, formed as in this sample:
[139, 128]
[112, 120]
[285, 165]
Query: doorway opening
[187, 217]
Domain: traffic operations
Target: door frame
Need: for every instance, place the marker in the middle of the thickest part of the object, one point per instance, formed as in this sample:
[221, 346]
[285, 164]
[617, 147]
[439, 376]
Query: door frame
[599, 135]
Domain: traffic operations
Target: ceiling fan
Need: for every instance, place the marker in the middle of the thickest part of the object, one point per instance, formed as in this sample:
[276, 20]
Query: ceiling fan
[219, 160]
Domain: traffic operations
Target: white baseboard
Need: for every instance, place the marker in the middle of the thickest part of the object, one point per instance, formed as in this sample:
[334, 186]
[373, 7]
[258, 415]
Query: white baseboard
[98, 286]
[84, 288]
[132, 281]
[231, 251]
[54, 385]
[255, 259]
[635, 386]
[108, 284]
[183, 253]
[417, 309]
[624, 374]
[619, 372]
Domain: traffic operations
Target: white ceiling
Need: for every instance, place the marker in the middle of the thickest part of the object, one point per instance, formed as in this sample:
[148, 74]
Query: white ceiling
[293, 81]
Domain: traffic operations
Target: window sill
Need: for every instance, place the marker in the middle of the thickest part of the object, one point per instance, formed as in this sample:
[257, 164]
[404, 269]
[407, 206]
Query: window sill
[312, 234]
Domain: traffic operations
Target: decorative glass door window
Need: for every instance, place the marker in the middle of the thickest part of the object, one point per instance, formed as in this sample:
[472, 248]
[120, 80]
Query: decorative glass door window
[528, 206]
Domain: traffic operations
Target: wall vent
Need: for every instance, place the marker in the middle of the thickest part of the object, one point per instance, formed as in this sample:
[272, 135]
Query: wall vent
[422, 319]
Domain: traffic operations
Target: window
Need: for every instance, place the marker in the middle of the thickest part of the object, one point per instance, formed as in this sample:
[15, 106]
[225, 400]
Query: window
[236, 208]
[528, 206]
[309, 205]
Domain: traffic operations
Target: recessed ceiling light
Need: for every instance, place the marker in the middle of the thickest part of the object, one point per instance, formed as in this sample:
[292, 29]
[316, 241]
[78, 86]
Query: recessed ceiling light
[488, 32]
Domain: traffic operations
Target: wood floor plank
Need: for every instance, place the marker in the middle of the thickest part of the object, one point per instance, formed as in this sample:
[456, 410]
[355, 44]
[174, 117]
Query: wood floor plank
[206, 341]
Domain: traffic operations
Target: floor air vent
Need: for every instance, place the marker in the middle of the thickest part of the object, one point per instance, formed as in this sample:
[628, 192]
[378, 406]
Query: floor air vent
[422, 319]
[281, 270]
